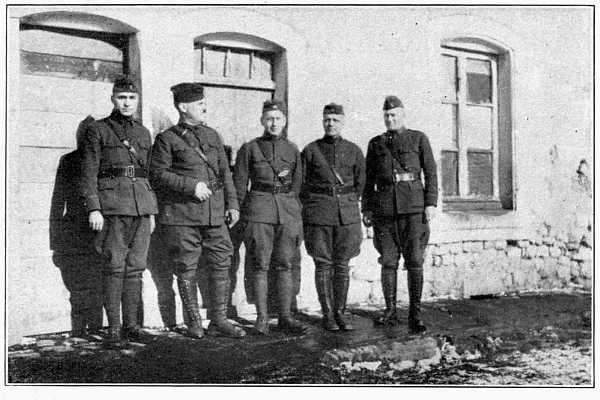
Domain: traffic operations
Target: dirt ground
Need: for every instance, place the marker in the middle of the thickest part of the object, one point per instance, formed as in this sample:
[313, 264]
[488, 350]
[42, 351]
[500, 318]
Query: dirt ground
[537, 339]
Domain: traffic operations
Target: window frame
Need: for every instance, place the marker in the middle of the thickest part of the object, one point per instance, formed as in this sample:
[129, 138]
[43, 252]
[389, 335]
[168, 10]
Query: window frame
[463, 200]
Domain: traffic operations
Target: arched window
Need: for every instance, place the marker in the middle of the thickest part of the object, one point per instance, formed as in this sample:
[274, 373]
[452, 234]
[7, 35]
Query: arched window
[476, 160]
[239, 73]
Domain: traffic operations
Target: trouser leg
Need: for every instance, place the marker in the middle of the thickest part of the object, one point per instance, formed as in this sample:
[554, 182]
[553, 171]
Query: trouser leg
[261, 293]
[323, 283]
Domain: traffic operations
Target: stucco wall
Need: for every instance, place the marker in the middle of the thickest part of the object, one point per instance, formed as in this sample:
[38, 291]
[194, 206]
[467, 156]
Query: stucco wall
[356, 56]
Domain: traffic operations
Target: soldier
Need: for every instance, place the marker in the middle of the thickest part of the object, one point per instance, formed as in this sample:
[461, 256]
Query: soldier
[334, 178]
[121, 204]
[191, 175]
[271, 209]
[400, 207]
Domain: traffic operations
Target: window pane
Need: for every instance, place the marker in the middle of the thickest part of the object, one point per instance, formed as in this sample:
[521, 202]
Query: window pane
[449, 78]
[239, 64]
[477, 127]
[213, 62]
[449, 127]
[479, 81]
[450, 173]
[262, 67]
[480, 173]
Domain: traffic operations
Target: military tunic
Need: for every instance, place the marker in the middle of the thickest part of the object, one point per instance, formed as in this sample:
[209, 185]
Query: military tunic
[125, 198]
[189, 226]
[330, 204]
[398, 205]
[273, 169]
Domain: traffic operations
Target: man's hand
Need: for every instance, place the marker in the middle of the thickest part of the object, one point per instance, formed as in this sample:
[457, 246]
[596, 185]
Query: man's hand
[152, 223]
[96, 220]
[202, 191]
[232, 216]
[368, 218]
[430, 213]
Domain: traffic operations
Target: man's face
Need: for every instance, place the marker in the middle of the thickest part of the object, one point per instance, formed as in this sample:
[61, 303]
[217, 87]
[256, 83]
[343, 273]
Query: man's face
[125, 102]
[195, 111]
[273, 121]
[333, 124]
[394, 118]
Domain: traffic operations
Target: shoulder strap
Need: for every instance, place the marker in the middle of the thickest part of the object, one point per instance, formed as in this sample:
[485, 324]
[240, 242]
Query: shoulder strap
[117, 130]
[270, 162]
[336, 174]
[181, 132]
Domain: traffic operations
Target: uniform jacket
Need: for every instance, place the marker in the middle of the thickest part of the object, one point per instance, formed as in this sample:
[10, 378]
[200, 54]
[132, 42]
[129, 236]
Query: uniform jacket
[348, 161]
[252, 166]
[176, 168]
[69, 231]
[412, 153]
[103, 149]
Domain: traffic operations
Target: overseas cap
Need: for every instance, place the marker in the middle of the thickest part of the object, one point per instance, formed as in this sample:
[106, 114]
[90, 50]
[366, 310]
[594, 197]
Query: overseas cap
[187, 92]
[125, 84]
[271, 105]
[392, 102]
[333, 108]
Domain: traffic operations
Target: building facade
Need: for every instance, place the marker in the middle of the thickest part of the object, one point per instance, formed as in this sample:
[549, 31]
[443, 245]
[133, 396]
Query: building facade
[504, 94]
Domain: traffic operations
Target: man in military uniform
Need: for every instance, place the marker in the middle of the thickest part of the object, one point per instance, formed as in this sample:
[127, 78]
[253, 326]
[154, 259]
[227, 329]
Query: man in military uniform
[271, 209]
[120, 203]
[334, 178]
[191, 176]
[400, 207]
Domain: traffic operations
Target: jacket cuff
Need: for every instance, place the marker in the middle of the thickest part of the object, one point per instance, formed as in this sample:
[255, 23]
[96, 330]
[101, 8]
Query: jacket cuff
[92, 203]
[189, 186]
[431, 201]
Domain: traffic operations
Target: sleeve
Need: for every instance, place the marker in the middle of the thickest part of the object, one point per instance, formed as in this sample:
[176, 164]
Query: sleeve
[359, 171]
[231, 201]
[240, 173]
[429, 171]
[369, 188]
[298, 173]
[90, 164]
[161, 176]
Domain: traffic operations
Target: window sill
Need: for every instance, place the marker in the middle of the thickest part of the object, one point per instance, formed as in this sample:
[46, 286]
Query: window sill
[474, 206]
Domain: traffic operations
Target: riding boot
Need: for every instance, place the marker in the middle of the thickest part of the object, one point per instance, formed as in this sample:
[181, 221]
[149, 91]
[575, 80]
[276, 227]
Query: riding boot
[220, 325]
[389, 284]
[285, 288]
[341, 282]
[415, 289]
[324, 292]
[132, 293]
[112, 287]
[94, 316]
[189, 300]
[261, 298]
[79, 311]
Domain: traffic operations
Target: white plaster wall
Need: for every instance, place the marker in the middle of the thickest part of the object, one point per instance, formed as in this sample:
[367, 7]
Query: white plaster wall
[356, 56]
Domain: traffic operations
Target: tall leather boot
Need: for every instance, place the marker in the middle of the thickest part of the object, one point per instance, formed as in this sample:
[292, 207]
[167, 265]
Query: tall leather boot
[219, 324]
[131, 297]
[78, 300]
[261, 300]
[341, 282]
[189, 300]
[94, 316]
[325, 293]
[389, 284]
[112, 287]
[415, 290]
[285, 292]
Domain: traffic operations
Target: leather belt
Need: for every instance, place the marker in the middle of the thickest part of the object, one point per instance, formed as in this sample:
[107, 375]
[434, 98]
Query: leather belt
[331, 190]
[130, 172]
[269, 188]
[215, 185]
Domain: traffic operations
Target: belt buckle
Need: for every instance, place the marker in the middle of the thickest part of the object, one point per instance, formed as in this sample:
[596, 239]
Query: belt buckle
[130, 171]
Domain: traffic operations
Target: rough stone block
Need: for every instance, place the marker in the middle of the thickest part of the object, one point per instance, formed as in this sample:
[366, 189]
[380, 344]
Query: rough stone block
[573, 244]
[587, 284]
[439, 249]
[489, 244]
[548, 240]
[583, 254]
[481, 281]
[563, 272]
[437, 261]
[554, 252]
[586, 269]
[462, 260]
[500, 244]
[455, 248]
[542, 251]
[523, 244]
[447, 260]
[575, 269]
[513, 252]
[529, 252]
[564, 260]
[473, 247]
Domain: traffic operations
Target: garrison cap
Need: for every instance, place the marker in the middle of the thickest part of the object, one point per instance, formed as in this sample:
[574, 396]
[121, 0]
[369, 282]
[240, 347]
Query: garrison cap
[392, 102]
[333, 108]
[125, 84]
[271, 105]
[187, 92]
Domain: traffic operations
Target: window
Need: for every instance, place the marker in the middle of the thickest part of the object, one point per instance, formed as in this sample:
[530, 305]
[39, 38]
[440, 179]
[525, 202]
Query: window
[475, 159]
